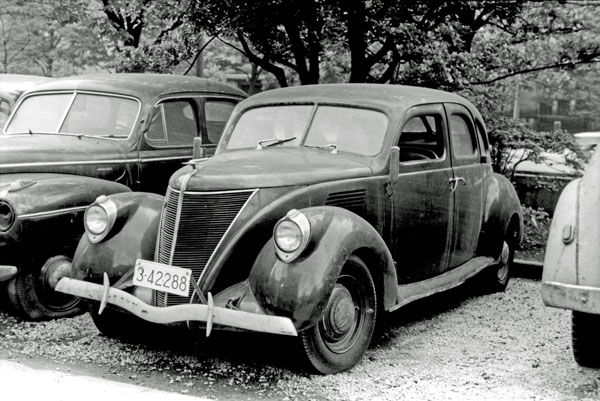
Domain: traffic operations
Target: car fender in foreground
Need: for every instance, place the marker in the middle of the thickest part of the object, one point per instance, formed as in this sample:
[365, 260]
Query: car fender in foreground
[571, 276]
[301, 289]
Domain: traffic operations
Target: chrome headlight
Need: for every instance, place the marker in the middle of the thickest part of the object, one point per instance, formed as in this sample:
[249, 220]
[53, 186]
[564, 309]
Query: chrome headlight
[7, 216]
[291, 235]
[99, 218]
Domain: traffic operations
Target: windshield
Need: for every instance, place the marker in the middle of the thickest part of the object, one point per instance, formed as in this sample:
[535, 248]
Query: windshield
[345, 129]
[75, 113]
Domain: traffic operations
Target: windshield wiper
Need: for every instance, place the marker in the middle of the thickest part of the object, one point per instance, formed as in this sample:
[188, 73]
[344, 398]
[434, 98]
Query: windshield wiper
[331, 146]
[275, 142]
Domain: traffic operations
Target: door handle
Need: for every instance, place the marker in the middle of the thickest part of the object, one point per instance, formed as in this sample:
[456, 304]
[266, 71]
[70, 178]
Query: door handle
[454, 183]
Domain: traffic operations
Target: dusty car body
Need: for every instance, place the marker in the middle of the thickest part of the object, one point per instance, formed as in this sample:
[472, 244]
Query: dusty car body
[571, 277]
[323, 207]
[11, 87]
[73, 139]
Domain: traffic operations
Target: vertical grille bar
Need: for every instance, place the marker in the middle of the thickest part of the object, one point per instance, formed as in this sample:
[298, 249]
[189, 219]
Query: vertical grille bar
[203, 221]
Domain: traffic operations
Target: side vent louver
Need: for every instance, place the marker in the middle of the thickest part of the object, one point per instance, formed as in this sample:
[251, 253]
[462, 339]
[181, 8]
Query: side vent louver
[351, 200]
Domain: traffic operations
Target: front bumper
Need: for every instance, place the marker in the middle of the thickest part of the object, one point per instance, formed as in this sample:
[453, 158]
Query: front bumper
[573, 297]
[179, 313]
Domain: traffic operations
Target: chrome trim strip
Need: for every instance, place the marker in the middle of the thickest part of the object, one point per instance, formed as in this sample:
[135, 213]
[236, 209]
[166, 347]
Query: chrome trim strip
[52, 212]
[184, 183]
[91, 162]
[165, 158]
[212, 255]
[237, 191]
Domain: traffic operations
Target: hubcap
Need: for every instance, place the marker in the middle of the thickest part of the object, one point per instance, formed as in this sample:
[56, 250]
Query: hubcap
[53, 270]
[504, 260]
[341, 311]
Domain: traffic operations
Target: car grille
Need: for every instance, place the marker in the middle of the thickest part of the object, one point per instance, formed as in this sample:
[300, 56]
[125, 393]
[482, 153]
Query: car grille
[205, 218]
[351, 200]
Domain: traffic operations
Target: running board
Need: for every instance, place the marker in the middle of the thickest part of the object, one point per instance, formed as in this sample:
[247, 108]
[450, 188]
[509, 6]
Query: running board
[408, 293]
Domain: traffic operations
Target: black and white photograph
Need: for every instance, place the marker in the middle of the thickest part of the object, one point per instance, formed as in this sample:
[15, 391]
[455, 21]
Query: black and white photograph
[300, 200]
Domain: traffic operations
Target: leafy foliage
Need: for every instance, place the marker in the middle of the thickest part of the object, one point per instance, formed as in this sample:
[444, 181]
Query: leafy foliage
[59, 38]
[513, 143]
[536, 229]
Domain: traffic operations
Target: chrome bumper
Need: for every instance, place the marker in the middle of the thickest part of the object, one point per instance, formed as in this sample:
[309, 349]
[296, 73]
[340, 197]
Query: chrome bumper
[573, 297]
[178, 313]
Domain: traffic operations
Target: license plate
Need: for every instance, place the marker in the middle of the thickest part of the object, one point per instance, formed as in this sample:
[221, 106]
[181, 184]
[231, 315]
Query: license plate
[161, 277]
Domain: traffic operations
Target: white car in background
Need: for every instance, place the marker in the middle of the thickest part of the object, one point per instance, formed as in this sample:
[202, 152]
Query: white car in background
[587, 140]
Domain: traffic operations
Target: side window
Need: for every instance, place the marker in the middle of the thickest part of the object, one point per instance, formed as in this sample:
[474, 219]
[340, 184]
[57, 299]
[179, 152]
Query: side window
[217, 113]
[156, 132]
[4, 111]
[464, 144]
[483, 141]
[174, 123]
[422, 138]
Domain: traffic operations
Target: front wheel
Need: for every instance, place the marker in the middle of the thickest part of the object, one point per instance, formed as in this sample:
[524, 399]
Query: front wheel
[341, 337]
[584, 329]
[32, 296]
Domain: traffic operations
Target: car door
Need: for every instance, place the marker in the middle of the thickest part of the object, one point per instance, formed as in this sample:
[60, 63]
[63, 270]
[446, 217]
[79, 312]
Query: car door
[467, 184]
[422, 203]
[167, 142]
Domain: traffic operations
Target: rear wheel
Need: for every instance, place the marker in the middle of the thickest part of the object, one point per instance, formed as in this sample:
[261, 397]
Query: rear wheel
[585, 328]
[31, 294]
[496, 277]
[341, 337]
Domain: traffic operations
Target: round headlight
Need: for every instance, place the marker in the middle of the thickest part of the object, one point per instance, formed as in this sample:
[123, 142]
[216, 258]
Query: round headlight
[291, 236]
[7, 216]
[96, 219]
[288, 236]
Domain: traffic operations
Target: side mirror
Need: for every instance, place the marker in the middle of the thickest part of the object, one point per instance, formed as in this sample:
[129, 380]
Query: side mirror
[199, 151]
[394, 163]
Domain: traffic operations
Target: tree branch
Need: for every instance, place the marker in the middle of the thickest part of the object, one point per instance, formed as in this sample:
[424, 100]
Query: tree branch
[566, 64]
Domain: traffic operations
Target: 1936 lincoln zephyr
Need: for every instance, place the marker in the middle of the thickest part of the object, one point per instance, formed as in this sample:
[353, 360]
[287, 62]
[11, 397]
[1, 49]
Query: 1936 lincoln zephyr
[73, 139]
[323, 207]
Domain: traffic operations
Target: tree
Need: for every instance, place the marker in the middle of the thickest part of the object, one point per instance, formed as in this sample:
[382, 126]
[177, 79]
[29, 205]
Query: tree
[56, 40]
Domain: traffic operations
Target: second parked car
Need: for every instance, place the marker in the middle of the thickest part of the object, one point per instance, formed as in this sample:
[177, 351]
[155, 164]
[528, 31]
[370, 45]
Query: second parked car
[71, 140]
[323, 207]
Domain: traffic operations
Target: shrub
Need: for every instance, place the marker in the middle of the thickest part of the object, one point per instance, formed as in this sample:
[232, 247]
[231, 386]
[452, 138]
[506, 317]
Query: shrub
[536, 228]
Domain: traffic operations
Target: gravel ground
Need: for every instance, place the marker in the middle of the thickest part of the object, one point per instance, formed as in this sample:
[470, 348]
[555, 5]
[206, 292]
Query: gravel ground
[460, 345]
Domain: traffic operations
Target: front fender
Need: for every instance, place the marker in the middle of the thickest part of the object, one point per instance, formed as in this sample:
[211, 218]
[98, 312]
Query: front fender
[48, 211]
[300, 290]
[133, 236]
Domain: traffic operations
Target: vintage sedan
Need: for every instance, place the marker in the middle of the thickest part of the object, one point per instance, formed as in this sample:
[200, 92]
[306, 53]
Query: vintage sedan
[71, 140]
[324, 207]
[571, 274]
[11, 87]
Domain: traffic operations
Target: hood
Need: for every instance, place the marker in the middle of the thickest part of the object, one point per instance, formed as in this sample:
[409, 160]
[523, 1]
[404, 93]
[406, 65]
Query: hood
[50, 153]
[269, 168]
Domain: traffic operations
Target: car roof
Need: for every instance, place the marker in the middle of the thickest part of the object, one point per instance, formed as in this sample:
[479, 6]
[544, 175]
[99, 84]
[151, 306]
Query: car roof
[138, 85]
[12, 85]
[382, 96]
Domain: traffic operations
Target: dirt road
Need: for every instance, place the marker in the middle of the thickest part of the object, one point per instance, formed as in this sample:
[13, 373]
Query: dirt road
[461, 345]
